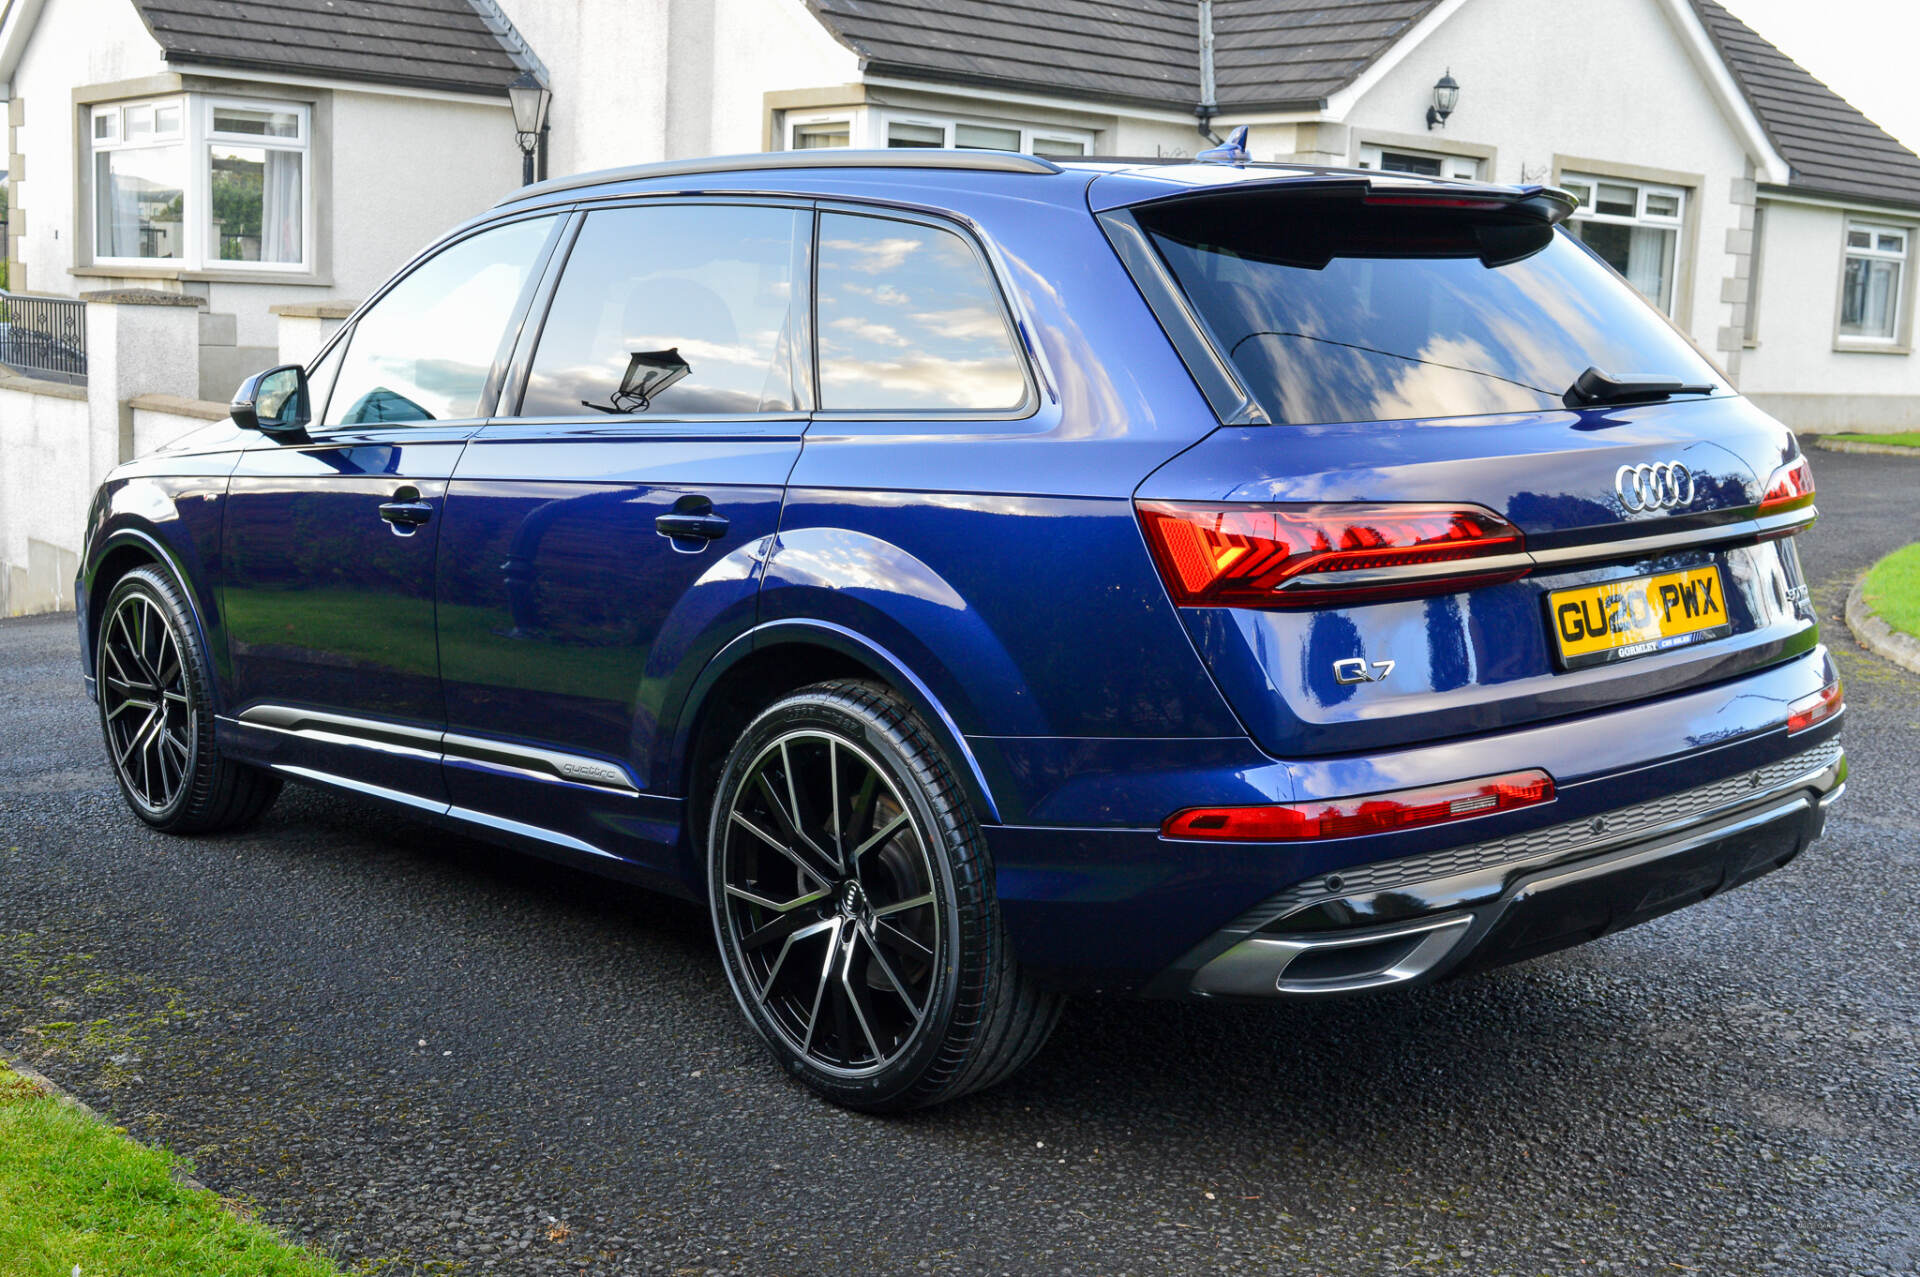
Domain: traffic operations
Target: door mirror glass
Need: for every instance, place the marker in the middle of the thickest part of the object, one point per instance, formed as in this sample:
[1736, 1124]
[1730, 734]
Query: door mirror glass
[275, 401]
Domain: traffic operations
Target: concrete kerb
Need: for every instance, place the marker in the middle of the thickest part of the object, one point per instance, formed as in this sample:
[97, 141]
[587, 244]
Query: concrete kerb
[1876, 635]
[1876, 449]
[61, 1094]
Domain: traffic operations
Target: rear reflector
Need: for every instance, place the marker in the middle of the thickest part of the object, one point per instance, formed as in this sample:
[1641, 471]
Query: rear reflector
[1817, 708]
[1276, 556]
[1374, 814]
[1788, 488]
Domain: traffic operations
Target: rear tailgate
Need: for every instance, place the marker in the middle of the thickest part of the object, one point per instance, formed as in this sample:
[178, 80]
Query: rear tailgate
[1419, 361]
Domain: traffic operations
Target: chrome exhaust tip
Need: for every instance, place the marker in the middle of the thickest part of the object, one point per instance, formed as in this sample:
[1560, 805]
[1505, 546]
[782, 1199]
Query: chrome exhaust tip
[1262, 966]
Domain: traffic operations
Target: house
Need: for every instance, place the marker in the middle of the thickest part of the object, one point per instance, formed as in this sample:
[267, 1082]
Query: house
[296, 155]
[272, 152]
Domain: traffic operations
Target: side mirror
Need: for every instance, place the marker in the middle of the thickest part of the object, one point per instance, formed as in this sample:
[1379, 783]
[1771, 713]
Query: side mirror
[274, 401]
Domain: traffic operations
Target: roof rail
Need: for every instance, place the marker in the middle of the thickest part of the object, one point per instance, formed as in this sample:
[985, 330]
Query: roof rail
[823, 157]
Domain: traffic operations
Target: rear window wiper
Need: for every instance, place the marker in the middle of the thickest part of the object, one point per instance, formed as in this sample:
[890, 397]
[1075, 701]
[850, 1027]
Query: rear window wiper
[1596, 387]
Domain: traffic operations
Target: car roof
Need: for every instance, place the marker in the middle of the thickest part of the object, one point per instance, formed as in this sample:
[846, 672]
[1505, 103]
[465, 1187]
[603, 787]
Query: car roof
[1101, 183]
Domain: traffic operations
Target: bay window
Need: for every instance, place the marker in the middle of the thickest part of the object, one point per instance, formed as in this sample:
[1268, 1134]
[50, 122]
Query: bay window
[1635, 227]
[1870, 285]
[969, 135]
[202, 183]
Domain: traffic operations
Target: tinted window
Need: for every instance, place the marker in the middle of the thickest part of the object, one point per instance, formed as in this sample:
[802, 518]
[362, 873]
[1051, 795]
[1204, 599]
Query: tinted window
[674, 309]
[423, 352]
[910, 321]
[1338, 311]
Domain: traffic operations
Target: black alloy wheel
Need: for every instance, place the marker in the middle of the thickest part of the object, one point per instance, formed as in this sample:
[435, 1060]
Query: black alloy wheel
[852, 900]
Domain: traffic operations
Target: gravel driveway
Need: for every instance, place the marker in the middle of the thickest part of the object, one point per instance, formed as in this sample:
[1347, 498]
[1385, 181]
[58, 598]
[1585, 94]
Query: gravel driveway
[428, 1056]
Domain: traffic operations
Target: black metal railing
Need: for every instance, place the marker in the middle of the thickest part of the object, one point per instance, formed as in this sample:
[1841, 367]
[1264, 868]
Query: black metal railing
[44, 336]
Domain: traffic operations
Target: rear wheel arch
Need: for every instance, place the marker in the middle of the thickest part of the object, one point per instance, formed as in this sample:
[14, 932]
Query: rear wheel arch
[772, 661]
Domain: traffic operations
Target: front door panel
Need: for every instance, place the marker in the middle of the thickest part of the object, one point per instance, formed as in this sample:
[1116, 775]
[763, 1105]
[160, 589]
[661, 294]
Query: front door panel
[329, 603]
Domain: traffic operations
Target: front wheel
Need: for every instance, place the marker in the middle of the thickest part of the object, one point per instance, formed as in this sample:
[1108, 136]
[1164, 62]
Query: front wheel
[156, 712]
[853, 902]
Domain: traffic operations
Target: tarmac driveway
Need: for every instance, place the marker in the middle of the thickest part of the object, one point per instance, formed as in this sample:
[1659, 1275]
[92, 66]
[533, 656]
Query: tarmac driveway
[426, 1055]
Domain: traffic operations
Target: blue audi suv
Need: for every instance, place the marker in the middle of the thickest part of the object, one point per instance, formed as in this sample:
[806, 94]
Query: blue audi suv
[979, 579]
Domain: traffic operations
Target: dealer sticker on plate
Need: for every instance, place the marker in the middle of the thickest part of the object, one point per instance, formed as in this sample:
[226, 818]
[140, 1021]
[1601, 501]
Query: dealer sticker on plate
[1599, 623]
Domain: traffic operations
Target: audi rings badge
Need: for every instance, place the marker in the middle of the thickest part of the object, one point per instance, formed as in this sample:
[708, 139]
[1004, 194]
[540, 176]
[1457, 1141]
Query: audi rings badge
[1665, 486]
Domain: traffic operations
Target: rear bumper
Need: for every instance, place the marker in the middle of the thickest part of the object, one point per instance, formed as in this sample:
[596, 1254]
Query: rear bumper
[1423, 918]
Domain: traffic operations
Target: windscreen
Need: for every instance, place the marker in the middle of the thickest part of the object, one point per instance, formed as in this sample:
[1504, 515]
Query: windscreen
[1335, 310]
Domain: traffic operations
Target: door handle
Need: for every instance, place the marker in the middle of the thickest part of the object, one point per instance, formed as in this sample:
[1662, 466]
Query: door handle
[700, 526]
[406, 514]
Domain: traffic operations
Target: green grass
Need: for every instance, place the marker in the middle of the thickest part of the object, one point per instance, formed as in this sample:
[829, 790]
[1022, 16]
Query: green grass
[77, 1196]
[1904, 439]
[1893, 589]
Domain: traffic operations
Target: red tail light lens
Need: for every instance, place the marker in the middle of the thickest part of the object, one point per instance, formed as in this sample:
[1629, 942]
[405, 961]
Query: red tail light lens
[1271, 556]
[1375, 814]
[1788, 488]
[1817, 708]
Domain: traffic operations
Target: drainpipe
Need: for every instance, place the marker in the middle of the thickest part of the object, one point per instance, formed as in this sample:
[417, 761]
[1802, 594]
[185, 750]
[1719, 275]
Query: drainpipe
[1208, 108]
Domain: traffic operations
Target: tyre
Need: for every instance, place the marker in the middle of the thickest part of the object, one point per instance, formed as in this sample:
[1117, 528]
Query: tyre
[156, 713]
[853, 901]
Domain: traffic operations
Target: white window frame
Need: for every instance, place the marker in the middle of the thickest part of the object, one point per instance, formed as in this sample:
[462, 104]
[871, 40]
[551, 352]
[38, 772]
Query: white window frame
[1459, 168]
[795, 122]
[117, 113]
[1895, 341]
[197, 138]
[949, 125]
[1676, 222]
[202, 175]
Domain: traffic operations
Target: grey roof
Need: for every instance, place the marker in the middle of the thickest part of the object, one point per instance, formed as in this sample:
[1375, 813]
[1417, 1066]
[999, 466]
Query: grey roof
[1828, 144]
[434, 44]
[1266, 52]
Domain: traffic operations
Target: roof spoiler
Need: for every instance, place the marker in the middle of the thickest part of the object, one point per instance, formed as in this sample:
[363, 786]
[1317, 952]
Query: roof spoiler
[1548, 205]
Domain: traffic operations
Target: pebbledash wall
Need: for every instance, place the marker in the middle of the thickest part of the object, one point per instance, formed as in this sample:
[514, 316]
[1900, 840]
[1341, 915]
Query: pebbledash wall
[58, 441]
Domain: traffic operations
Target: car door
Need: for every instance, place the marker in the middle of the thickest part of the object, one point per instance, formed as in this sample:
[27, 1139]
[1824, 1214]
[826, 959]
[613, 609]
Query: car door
[604, 537]
[328, 545]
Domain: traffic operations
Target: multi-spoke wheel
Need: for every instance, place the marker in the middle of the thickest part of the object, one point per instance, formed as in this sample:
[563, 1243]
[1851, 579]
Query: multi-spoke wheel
[152, 681]
[852, 898]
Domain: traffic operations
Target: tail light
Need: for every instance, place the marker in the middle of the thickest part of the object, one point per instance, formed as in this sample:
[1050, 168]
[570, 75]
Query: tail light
[1788, 488]
[1817, 708]
[1274, 556]
[1375, 814]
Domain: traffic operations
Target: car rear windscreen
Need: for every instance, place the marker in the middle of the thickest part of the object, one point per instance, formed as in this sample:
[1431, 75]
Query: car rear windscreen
[1335, 310]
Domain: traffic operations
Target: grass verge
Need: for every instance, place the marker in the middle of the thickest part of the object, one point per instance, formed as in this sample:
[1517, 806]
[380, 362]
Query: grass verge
[78, 1197]
[1892, 589]
[1904, 439]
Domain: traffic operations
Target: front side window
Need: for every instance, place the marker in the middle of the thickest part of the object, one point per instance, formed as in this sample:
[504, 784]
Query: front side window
[201, 182]
[910, 321]
[1634, 227]
[1870, 289]
[140, 181]
[672, 309]
[1332, 310]
[425, 350]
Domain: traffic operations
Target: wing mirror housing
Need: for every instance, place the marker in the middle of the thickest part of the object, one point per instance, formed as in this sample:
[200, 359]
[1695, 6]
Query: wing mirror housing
[273, 402]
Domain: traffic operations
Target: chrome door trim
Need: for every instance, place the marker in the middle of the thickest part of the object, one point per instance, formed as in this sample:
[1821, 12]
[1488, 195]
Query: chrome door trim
[557, 766]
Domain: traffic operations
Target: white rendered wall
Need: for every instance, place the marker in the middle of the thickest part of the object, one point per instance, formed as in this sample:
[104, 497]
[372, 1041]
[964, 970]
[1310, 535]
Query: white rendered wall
[45, 485]
[1800, 265]
[642, 80]
[74, 43]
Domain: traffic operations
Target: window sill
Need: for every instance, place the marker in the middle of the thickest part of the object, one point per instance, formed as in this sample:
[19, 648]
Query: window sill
[298, 279]
[1844, 346]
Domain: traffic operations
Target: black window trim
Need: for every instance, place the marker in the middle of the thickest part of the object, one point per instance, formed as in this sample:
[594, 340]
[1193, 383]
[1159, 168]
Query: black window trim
[1016, 327]
[509, 337]
[520, 365]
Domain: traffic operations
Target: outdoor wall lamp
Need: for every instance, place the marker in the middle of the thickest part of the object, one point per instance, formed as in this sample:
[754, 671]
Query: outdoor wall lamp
[1446, 96]
[529, 99]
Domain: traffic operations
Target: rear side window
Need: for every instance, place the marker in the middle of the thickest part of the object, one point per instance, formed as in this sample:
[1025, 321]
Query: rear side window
[425, 350]
[672, 309]
[910, 321]
[1331, 310]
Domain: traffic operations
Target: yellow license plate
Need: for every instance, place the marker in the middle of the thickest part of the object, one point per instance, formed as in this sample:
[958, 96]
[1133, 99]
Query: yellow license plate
[1621, 619]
